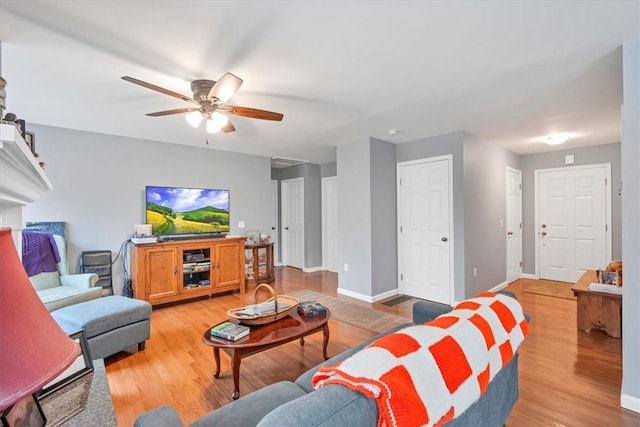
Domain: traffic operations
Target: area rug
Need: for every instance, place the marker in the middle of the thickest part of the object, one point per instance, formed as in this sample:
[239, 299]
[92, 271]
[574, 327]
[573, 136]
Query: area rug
[354, 314]
[552, 289]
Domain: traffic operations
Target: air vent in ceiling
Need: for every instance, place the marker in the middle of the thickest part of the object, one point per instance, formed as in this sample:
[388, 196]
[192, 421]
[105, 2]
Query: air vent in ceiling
[284, 162]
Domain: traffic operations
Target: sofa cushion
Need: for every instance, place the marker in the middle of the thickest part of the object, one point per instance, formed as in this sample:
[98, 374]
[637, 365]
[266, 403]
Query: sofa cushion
[249, 410]
[62, 296]
[45, 280]
[104, 314]
[304, 380]
[333, 405]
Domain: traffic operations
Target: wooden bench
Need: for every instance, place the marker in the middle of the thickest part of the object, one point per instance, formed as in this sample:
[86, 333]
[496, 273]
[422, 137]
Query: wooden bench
[599, 310]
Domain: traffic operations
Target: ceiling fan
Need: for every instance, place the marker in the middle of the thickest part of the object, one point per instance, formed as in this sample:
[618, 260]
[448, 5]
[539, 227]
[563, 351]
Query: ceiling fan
[210, 97]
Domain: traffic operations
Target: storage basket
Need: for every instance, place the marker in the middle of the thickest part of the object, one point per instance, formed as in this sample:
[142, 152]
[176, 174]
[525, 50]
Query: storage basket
[289, 304]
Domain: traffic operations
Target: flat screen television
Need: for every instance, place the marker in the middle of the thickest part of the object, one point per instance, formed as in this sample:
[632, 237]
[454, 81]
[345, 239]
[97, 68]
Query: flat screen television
[178, 211]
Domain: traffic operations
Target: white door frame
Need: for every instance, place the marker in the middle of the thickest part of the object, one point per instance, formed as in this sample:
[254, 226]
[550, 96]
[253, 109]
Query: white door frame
[519, 173]
[449, 158]
[536, 225]
[325, 225]
[284, 198]
[275, 232]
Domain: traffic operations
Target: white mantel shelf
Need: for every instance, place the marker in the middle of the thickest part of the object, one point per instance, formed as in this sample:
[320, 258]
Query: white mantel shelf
[22, 180]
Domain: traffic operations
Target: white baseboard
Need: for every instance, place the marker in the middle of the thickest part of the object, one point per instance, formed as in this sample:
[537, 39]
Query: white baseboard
[499, 287]
[529, 276]
[385, 295]
[312, 269]
[355, 295]
[630, 402]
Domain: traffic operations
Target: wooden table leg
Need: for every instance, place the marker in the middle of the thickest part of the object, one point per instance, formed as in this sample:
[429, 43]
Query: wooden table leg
[216, 357]
[325, 340]
[235, 364]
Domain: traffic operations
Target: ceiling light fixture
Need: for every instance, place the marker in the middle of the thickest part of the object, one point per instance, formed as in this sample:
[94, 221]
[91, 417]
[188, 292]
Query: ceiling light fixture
[557, 139]
[393, 132]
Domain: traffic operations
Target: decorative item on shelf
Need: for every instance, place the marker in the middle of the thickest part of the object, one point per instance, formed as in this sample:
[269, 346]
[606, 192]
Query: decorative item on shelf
[30, 139]
[265, 238]
[142, 234]
[39, 349]
[253, 237]
[275, 308]
[3, 95]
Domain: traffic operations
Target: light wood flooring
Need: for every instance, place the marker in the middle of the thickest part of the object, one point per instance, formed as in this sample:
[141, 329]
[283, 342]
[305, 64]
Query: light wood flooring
[567, 377]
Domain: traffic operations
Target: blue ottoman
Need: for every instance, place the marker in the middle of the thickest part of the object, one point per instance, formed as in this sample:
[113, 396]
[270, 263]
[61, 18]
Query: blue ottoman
[111, 324]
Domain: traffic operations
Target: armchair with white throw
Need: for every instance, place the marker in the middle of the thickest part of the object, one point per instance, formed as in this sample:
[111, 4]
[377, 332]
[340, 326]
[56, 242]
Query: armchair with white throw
[44, 256]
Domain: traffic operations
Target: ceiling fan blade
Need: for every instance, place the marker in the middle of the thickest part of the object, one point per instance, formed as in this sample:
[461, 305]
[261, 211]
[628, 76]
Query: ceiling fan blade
[159, 89]
[253, 113]
[170, 112]
[225, 87]
[228, 127]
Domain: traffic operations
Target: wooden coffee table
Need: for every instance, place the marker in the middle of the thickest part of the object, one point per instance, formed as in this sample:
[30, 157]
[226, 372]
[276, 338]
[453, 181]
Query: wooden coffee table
[597, 310]
[264, 337]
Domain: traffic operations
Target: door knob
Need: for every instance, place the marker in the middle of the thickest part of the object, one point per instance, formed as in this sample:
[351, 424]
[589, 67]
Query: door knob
[544, 233]
[444, 239]
[509, 233]
[544, 226]
[286, 228]
[273, 228]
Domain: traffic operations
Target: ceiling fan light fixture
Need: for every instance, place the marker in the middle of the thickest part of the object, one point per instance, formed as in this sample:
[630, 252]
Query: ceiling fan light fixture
[194, 118]
[557, 139]
[216, 122]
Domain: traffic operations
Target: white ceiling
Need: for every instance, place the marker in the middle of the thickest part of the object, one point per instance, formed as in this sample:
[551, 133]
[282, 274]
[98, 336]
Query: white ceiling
[508, 72]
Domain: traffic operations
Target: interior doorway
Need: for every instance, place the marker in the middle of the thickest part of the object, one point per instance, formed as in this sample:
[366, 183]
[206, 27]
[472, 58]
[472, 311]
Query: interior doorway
[425, 228]
[572, 221]
[514, 224]
[274, 222]
[293, 222]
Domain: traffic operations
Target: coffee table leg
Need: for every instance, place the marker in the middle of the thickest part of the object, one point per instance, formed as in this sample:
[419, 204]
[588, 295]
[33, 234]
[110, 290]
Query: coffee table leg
[325, 340]
[216, 357]
[235, 364]
[301, 341]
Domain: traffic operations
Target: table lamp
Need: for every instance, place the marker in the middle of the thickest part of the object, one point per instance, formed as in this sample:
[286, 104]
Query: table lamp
[33, 348]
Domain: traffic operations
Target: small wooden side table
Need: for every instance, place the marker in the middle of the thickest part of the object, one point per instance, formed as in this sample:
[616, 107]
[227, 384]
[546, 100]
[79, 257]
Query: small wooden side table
[599, 310]
[266, 274]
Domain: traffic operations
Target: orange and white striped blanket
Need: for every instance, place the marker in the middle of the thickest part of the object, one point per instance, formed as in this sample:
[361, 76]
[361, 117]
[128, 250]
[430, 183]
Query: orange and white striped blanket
[429, 374]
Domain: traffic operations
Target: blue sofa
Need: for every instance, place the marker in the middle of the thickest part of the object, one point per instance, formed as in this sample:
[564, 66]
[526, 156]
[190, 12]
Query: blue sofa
[299, 404]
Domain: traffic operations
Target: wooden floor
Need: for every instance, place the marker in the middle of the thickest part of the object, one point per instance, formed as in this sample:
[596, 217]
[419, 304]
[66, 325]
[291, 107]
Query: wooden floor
[567, 377]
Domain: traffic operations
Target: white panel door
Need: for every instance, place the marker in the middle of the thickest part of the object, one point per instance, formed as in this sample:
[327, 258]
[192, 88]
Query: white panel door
[514, 224]
[274, 222]
[425, 229]
[330, 223]
[293, 222]
[572, 228]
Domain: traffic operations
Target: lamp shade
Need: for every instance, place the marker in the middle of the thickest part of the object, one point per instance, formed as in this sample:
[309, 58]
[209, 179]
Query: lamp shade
[33, 348]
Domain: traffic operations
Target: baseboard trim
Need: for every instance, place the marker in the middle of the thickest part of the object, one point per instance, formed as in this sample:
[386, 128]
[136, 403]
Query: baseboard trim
[385, 295]
[355, 295]
[630, 402]
[312, 269]
[529, 276]
[499, 287]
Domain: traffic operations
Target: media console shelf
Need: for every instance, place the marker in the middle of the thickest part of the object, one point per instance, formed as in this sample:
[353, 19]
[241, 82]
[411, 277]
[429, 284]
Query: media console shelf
[177, 270]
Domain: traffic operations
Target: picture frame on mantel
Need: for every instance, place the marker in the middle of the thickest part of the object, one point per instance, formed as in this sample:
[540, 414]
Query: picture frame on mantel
[30, 139]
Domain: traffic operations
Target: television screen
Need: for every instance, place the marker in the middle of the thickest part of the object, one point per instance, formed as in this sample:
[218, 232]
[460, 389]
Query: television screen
[175, 210]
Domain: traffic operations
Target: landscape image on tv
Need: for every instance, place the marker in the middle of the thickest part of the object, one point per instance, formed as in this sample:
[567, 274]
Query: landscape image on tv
[173, 210]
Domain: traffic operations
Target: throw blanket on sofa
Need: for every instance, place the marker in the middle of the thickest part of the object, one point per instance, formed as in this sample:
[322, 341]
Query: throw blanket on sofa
[429, 374]
[39, 253]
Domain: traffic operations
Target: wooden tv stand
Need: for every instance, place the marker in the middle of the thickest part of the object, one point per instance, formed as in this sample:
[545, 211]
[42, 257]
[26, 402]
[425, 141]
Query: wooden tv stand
[177, 270]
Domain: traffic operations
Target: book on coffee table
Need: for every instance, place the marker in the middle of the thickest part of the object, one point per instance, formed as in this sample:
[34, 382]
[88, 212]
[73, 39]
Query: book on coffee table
[230, 331]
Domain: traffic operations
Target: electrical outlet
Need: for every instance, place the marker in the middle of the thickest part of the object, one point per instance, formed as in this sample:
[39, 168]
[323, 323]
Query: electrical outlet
[346, 267]
[240, 224]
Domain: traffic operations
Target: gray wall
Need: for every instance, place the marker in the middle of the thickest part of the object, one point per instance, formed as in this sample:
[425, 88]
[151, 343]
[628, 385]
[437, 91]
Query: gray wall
[99, 183]
[450, 143]
[485, 206]
[312, 210]
[384, 252]
[329, 169]
[631, 236]
[354, 219]
[609, 153]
